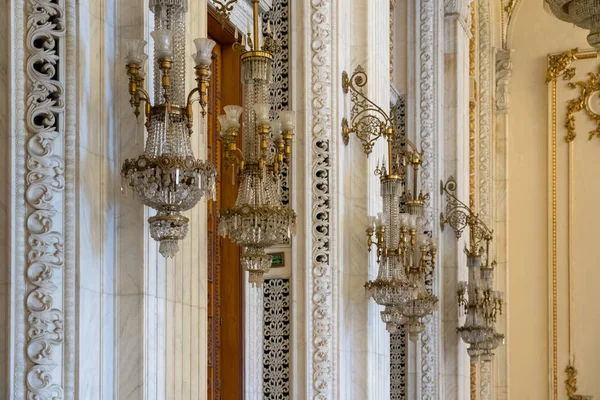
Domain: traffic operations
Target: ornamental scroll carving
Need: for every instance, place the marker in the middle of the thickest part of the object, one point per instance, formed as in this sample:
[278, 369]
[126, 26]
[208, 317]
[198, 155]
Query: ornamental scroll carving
[484, 154]
[44, 186]
[427, 125]
[321, 129]
[503, 75]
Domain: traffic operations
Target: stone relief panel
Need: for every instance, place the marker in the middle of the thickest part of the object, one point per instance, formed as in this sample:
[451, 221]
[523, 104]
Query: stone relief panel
[278, 17]
[44, 201]
[276, 339]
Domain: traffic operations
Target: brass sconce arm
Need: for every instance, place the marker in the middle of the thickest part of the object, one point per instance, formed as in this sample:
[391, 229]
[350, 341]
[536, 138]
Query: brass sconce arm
[367, 120]
[459, 216]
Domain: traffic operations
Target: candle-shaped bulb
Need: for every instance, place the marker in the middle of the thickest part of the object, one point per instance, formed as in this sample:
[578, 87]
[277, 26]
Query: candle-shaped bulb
[268, 27]
[235, 34]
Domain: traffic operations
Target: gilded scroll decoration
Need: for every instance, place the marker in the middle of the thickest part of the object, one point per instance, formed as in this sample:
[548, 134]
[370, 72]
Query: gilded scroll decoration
[367, 119]
[587, 89]
[571, 384]
[561, 65]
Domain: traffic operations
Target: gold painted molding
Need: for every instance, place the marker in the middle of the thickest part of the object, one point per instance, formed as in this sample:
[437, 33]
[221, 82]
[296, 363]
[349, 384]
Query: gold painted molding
[507, 13]
[473, 381]
[561, 66]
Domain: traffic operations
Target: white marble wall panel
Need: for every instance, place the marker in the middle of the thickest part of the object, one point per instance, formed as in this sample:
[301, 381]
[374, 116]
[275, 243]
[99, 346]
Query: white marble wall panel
[5, 193]
[455, 163]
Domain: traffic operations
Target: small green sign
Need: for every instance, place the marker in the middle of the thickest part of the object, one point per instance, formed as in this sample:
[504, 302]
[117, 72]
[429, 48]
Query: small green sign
[277, 261]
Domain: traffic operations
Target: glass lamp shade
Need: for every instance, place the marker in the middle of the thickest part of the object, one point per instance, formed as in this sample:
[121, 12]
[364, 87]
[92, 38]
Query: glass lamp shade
[225, 124]
[262, 113]
[276, 128]
[163, 42]
[233, 115]
[134, 50]
[371, 221]
[204, 47]
[287, 120]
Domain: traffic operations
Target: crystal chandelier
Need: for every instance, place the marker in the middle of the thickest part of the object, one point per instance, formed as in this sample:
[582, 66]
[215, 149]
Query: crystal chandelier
[167, 177]
[583, 13]
[476, 297]
[405, 253]
[258, 219]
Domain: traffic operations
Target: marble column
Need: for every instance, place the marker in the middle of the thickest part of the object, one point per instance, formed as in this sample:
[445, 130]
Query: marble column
[456, 155]
[503, 74]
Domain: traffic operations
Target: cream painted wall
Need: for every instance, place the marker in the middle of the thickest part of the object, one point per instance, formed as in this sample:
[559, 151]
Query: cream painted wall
[535, 35]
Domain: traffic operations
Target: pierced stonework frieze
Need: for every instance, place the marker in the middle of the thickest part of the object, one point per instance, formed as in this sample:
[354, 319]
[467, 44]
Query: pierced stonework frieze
[278, 16]
[276, 339]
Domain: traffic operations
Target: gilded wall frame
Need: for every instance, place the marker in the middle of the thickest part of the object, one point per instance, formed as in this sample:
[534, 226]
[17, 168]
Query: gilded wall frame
[562, 68]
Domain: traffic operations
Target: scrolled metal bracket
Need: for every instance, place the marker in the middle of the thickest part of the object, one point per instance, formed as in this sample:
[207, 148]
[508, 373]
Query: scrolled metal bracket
[459, 216]
[367, 120]
[224, 9]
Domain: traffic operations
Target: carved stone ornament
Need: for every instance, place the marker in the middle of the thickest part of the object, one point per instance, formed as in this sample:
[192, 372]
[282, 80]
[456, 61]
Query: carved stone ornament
[503, 75]
[484, 154]
[427, 112]
[44, 357]
[321, 282]
[460, 7]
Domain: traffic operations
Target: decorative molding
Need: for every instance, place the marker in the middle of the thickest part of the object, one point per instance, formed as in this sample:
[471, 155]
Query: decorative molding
[48, 146]
[473, 381]
[507, 13]
[587, 89]
[427, 112]
[484, 154]
[503, 75]
[571, 384]
[398, 365]
[560, 65]
[278, 15]
[398, 341]
[276, 339]
[485, 371]
[321, 280]
[457, 7]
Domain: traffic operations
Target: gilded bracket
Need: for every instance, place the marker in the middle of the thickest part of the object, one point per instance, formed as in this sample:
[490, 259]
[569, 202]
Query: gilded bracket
[224, 9]
[459, 215]
[367, 120]
[587, 90]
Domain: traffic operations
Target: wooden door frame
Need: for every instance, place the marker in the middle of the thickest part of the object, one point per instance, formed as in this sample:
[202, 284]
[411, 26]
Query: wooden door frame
[231, 285]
